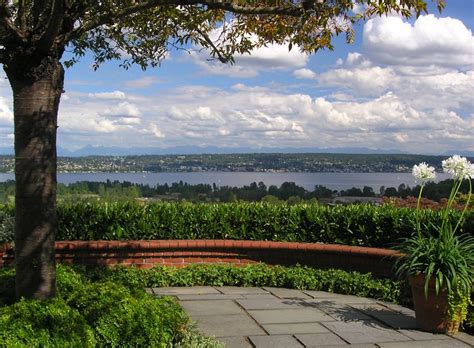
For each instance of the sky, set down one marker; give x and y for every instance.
(403, 86)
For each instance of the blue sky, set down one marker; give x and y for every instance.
(403, 85)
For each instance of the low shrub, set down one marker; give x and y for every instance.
(89, 313)
(296, 277)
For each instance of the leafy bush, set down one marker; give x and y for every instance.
(89, 313)
(363, 225)
(7, 226)
(296, 277)
(354, 225)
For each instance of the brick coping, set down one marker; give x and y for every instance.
(147, 253)
(212, 244)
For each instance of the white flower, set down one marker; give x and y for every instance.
(423, 172)
(459, 167)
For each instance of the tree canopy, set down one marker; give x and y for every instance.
(142, 32)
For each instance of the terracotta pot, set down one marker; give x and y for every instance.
(431, 312)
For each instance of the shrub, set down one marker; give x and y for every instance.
(7, 226)
(89, 313)
(297, 277)
(362, 225)
(353, 225)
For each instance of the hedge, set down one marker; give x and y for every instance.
(363, 225)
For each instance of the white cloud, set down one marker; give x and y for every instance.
(263, 58)
(156, 131)
(363, 81)
(123, 109)
(108, 95)
(6, 113)
(430, 41)
(304, 74)
(143, 82)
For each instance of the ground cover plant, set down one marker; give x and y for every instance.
(88, 313)
(363, 225)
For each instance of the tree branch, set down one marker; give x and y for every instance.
(206, 38)
(227, 5)
(53, 26)
(6, 24)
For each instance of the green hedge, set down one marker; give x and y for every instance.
(92, 313)
(353, 224)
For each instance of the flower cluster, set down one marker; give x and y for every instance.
(459, 167)
(423, 172)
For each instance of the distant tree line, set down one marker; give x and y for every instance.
(288, 191)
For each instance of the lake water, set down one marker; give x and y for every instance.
(334, 181)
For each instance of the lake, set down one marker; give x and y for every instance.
(334, 181)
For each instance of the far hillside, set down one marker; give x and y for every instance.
(256, 162)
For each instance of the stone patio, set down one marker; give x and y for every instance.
(275, 317)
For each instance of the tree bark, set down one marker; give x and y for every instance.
(36, 102)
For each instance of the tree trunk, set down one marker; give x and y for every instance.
(36, 102)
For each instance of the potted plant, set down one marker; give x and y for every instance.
(440, 266)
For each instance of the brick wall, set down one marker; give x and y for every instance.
(146, 254)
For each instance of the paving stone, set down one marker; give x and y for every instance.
(389, 317)
(362, 345)
(466, 338)
(291, 329)
(287, 293)
(195, 290)
(364, 331)
(275, 341)
(236, 342)
(228, 325)
(423, 336)
(321, 294)
(398, 308)
(206, 297)
(425, 344)
(278, 316)
(211, 307)
(230, 290)
(258, 296)
(273, 303)
(320, 339)
(341, 312)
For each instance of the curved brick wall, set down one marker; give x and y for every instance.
(146, 254)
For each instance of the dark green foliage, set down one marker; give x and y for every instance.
(296, 277)
(7, 226)
(353, 225)
(89, 313)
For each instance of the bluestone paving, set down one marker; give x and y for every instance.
(275, 341)
(228, 325)
(195, 290)
(236, 342)
(423, 336)
(425, 344)
(211, 307)
(466, 338)
(273, 303)
(278, 316)
(282, 329)
(240, 290)
(320, 339)
(365, 331)
(387, 316)
(287, 293)
(255, 317)
(342, 312)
